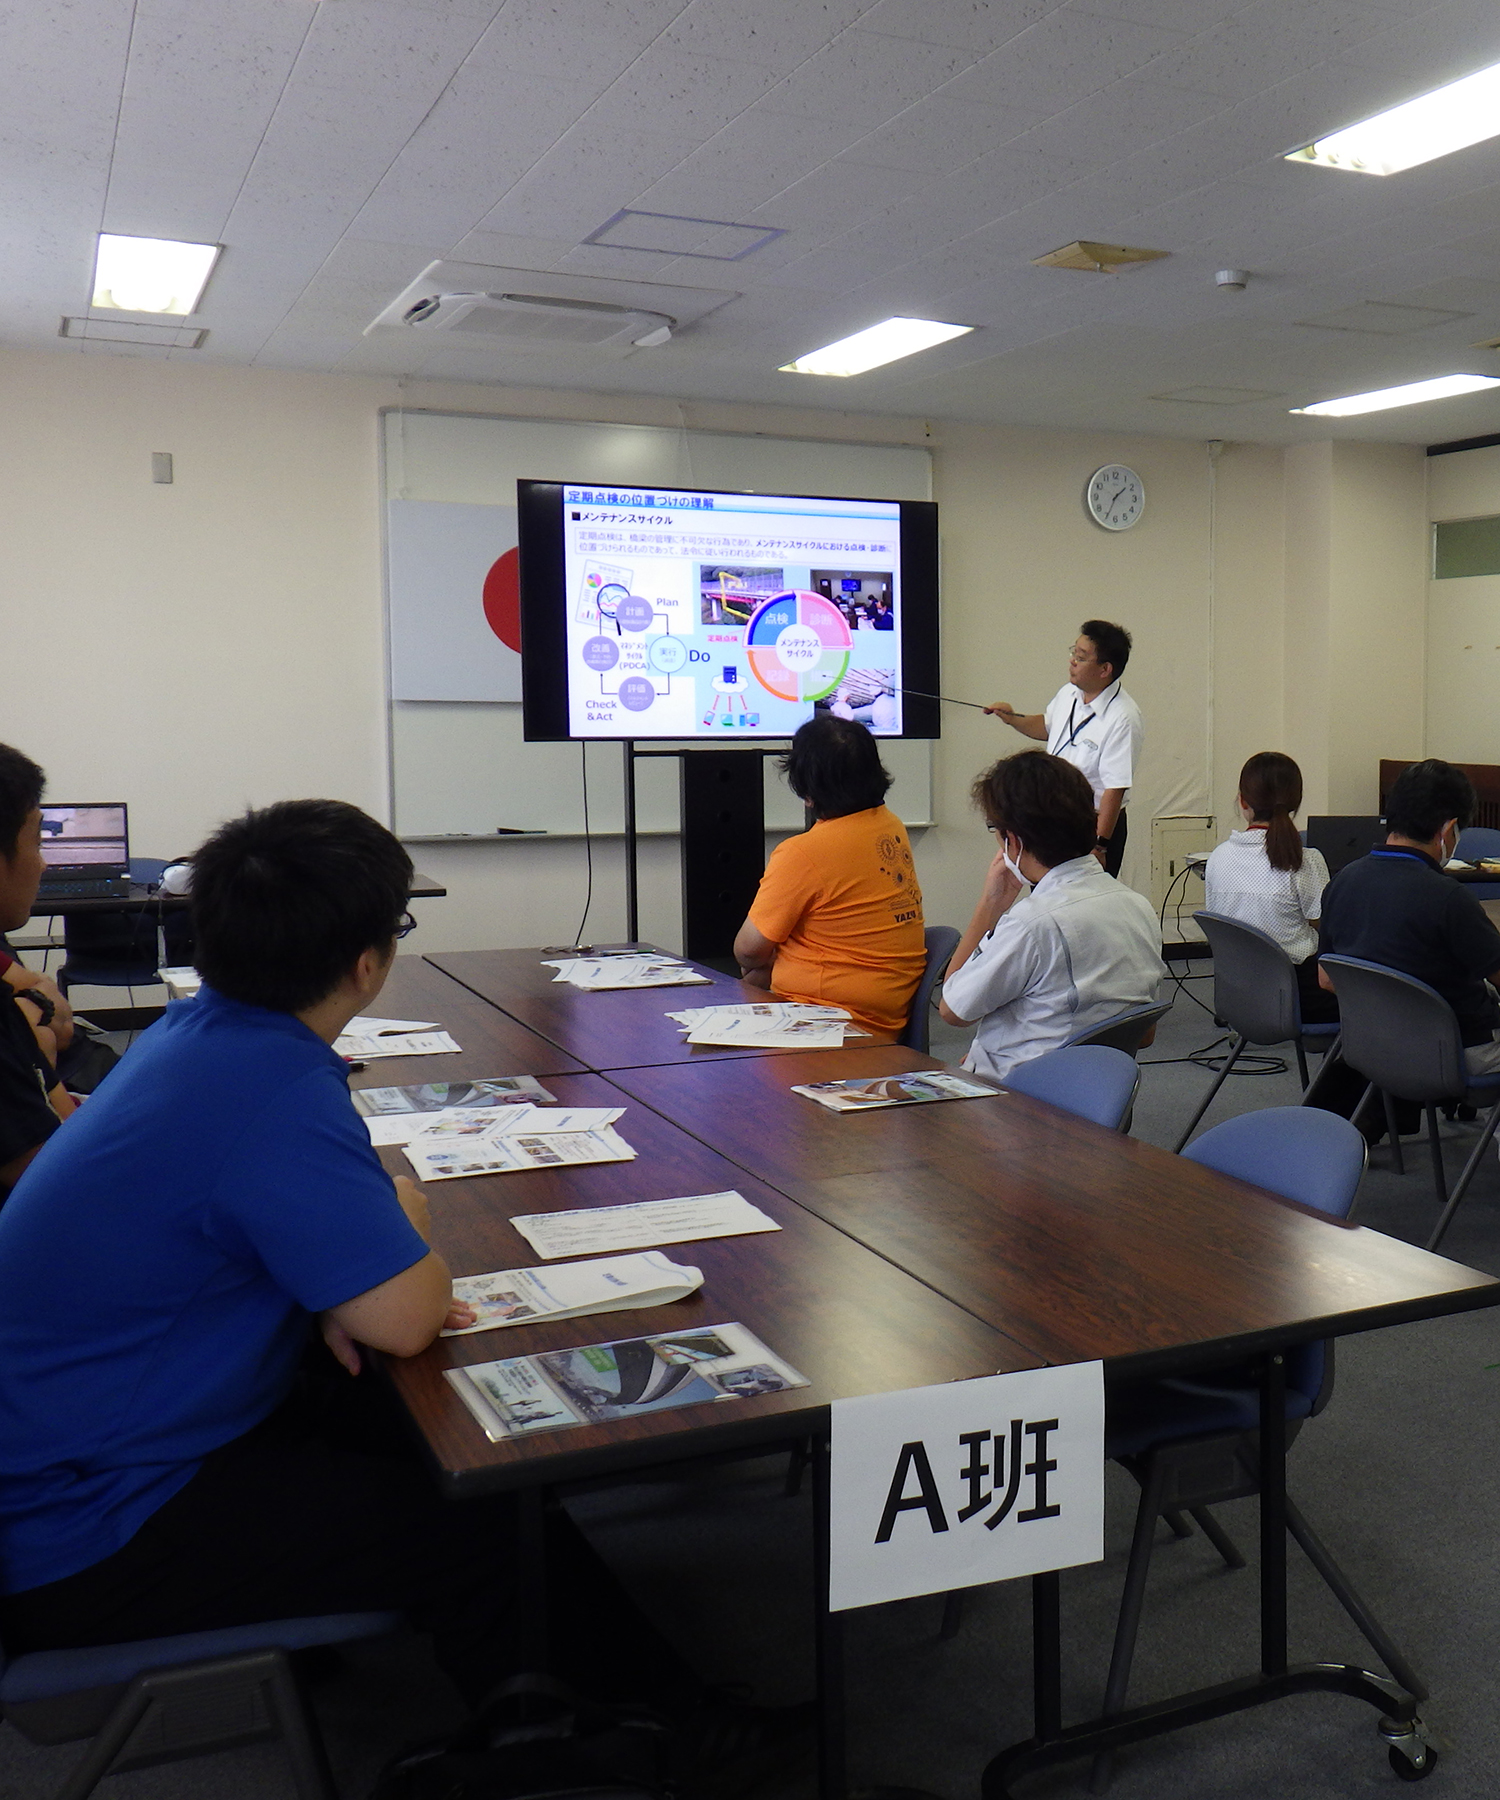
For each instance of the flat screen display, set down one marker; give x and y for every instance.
(93, 837)
(690, 614)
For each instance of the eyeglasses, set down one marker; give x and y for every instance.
(407, 926)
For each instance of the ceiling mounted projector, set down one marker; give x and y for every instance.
(540, 320)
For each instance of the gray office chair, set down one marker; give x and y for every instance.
(941, 941)
(1255, 993)
(1124, 1031)
(1401, 1035)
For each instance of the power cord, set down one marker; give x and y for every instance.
(588, 841)
(1212, 1056)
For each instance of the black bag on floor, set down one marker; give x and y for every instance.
(535, 1739)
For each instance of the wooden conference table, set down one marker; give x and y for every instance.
(1057, 1240)
(146, 897)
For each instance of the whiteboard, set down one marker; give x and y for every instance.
(462, 768)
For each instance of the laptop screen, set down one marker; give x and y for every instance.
(92, 837)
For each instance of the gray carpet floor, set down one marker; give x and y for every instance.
(1398, 1476)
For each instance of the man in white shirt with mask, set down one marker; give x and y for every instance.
(1094, 724)
(1056, 946)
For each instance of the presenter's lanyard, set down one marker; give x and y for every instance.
(1088, 719)
(1067, 742)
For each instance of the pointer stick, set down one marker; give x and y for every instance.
(917, 694)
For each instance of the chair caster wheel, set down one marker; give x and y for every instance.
(1404, 1768)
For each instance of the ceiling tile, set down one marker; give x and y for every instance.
(481, 138)
(939, 134)
(864, 79)
(977, 25)
(199, 92)
(1265, 43)
(1064, 59)
(687, 94)
(584, 178)
(767, 148)
(778, 37)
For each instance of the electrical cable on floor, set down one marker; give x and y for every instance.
(1210, 1057)
(588, 841)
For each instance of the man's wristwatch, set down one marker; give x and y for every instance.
(45, 1006)
(1101, 843)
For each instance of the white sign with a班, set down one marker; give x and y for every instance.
(969, 1482)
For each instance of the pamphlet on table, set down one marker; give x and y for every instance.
(363, 1039)
(599, 1383)
(395, 1115)
(600, 973)
(689, 1219)
(572, 1290)
(465, 1142)
(916, 1089)
(768, 1025)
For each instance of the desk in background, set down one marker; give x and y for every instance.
(610, 1030)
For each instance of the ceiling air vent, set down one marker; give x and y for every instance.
(1097, 259)
(537, 319)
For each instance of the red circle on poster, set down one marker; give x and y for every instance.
(502, 600)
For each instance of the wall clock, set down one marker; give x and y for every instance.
(1116, 497)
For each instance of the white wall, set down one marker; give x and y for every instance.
(218, 642)
(1463, 620)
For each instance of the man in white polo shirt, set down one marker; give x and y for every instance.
(1094, 724)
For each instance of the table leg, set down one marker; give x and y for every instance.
(1046, 1655)
(829, 1637)
(1273, 1643)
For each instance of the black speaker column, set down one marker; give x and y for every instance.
(723, 847)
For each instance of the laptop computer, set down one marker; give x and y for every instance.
(86, 850)
(1344, 840)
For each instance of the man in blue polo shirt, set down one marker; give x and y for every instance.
(1395, 906)
(169, 1458)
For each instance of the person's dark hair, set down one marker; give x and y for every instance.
(286, 900)
(1271, 786)
(21, 784)
(1424, 797)
(1043, 800)
(1111, 644)
(834, 767)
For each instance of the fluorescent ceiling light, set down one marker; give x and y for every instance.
(876, 344)
(150, 275)
(1440, 387)
(1451, 118)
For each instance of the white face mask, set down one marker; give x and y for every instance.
(1014, 867)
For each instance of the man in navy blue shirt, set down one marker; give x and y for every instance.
(1395, 906)
(167, 1461)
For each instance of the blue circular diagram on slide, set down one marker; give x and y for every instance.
(667, 655)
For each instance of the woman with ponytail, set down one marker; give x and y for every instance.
(1264, 876)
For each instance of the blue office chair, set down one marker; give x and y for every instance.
(941, 941)
(113, 949)
(1401, 1035)
(163, 1698)
(1255, 994)
(1477, 843)
(1087, 1079)
(1192, 1444)
(1124, 1031)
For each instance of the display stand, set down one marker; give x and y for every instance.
(723, 843)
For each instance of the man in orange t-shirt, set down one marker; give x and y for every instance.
(838, 918)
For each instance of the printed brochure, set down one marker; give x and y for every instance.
(689, 1219)
(572, 1290)
(915, 1089)
(599, 1383)
(768, 1025)
(395, 1115)
(438, 1157)
(598, 974)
